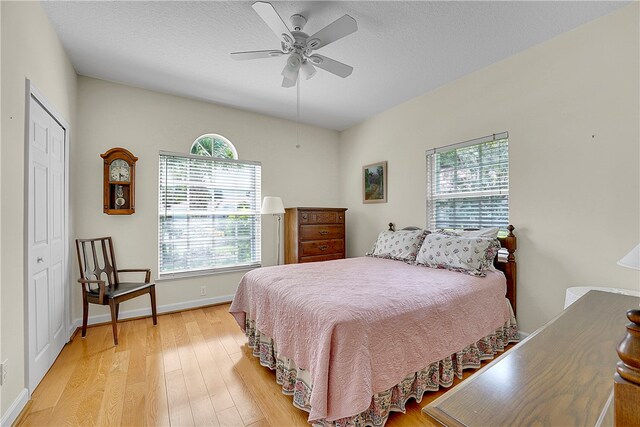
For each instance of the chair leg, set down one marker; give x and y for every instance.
(114, 320)
(85, 314)
(152, 294)
(117, 310)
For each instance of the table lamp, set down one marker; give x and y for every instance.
(632, 259)
(273, 206)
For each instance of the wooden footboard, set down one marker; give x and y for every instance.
(627, 378)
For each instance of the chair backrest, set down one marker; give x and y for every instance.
(96, 259)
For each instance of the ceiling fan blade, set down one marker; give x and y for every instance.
(338, 29)
(288, 83)
(256, 54)
(272, 19)
(331, 65)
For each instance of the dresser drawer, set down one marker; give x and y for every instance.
(321, 217)
(315, 232)
(322, 247)
(314, 258)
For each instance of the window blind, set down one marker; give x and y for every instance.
(208, 214)
(468, 184)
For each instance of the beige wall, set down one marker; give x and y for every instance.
(145, 122)
(574, 198)
(30, 49)
(1, 115)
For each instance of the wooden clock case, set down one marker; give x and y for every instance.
(110, 187)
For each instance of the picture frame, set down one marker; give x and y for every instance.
(374, 183)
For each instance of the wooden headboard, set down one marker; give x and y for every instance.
(506, 264)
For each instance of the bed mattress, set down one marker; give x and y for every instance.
(360, 325)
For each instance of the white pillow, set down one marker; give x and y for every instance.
(402, 245)
(472, 255)
(491, 233)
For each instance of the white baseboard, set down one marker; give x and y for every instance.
(72, 328)
(16, 407)
(522, 335)
(102, 318)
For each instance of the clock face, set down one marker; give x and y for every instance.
(119, 171)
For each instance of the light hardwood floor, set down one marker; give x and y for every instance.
(194, 368)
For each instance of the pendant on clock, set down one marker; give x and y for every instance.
(120, 201)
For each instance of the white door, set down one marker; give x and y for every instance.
(46, 240)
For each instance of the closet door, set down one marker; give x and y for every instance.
(46, 239)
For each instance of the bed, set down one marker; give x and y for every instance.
(354, 339)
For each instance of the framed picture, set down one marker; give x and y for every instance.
(374, 183)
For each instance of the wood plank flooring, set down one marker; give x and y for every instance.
(194, 368)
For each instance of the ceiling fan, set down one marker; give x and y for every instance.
(299, 46)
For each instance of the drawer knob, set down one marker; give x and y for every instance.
(340, 217)
(323, 232)
(323, 247)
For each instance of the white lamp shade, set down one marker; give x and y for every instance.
(308, 70)
(632, 259)
(292, 68)
(272, 205)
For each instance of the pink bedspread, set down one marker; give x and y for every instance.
(380, 318)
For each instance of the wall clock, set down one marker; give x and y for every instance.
(119, 182)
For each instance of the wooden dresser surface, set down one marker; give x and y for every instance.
(561, 375)
(314, 234)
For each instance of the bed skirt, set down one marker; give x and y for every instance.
(297, 382)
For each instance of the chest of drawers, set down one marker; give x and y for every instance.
(314, 234)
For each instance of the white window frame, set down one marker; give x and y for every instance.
(432, 196)
(215, 136)
(255, 213)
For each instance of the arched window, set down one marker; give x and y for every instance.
(213, 145)
(208, 210)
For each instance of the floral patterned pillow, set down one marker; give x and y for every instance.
(401, 245)
(471, 255)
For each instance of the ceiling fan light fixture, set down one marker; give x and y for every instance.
(308, 70)
(288, 83)
(299, 46)
(290, 73)
(295, 61)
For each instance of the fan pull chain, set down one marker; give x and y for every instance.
(298, 113)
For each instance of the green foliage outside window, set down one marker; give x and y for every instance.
(214, 146)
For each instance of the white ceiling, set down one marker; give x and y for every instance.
(401, 49)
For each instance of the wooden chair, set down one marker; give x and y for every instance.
(96, 258)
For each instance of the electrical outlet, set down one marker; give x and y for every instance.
(3, 370)
(203, 291)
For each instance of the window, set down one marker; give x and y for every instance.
(213, 145)
(468, 184)
(209, 211)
